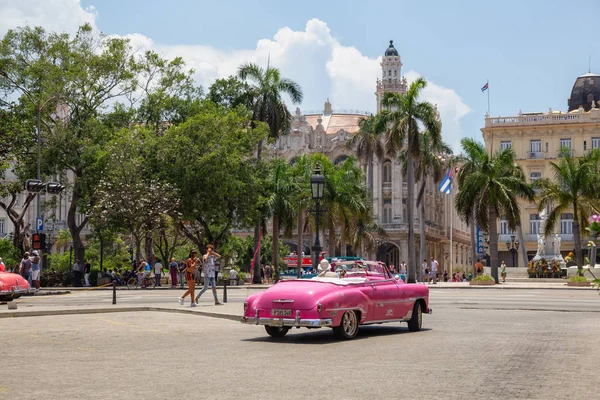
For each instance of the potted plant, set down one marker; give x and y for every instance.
(578, 280)
(482, 280)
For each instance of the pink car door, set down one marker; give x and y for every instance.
(388, 302)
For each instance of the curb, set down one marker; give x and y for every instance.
(500, 287)
(43, 313)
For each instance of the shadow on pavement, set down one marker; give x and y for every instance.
(326, 336)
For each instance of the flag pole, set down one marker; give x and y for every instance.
(488, 93)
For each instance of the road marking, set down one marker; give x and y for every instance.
(4, 390)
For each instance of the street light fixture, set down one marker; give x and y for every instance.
(513, 246)
(317, 187)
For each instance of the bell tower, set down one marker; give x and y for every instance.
(391, 75)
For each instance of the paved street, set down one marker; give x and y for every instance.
(467, 298)
(476, 354)
(479, 344)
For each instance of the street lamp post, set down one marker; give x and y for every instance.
(317, 187)
(513, 246)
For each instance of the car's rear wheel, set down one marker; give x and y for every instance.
(415, 322)
(276, 331)
(348, 327)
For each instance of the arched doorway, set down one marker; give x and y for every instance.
(389, 253)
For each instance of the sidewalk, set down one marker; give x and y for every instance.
(510, 284)
(230, 311)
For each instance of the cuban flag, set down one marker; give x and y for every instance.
(446, 183)
(485, 87)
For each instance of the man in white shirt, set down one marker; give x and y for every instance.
(424, 271)
(434, 269)
(157, 273)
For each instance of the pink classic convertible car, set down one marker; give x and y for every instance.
(358, 293)
(12, 286)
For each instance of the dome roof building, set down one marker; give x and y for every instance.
(586, 91)
(391, 50)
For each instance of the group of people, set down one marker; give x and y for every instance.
(208, 264)
(30, 269)
(429, 271)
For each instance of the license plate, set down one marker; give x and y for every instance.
(281, 312)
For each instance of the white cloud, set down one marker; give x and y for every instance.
(322, 65)
(53, 15)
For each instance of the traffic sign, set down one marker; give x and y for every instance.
(39, 224)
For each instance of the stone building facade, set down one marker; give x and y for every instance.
(327, 131)
(537, 139)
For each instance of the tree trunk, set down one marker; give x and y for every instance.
(370, 176)
(522, 247)
(422, 226)
(410, 211)
(149, 245)
(275, 248)
(256, 278)
(577, 240)
(300, 245)
(493, 231)
(343, 238)
(72, 222)
(473, 232)
(331, 241)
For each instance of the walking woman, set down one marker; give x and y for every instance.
(190, 268)
(503, 271)
(209, 273)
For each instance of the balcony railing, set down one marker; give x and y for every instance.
(559, 153)
(566, 237)
(540, 119)
(536, 155)
(393, 227)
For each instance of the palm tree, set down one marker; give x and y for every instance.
(574, 189)
(368, 144)
(301, 172)
(346, 198)
(402, 116)
(281, 204)
(469, 162)
(492, 189)
(432, 161)
(267, 87)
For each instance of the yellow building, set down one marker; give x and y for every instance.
(537, 139)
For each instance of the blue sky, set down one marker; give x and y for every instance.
(531, 51)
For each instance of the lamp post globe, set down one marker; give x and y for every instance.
(317, 188)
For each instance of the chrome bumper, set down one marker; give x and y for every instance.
(291, 322)
(13, 292)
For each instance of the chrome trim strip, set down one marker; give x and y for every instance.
(282, 301)
(308, 323)
(379, 321)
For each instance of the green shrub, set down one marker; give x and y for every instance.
(578, 278)
(482, 278)
(9, 253)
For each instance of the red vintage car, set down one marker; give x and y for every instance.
(12, 286)
(342, 297)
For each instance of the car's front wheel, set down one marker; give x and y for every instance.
(276, 331)
(415, 322)
(348, 327)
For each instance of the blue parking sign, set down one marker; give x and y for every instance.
(39, 224)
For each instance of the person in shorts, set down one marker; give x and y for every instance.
(503, 271)
(433, 271)
(35, 270)
(424, 271)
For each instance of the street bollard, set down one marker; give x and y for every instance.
(225, 290)
(114, 292)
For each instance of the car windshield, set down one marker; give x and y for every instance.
(361, 268)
